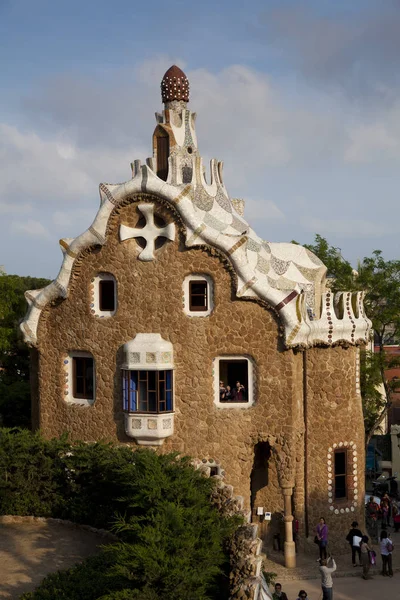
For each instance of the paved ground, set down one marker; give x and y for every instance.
(349, 588)
(29, 551)
(348, 584)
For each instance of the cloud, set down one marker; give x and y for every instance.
(264, 210)
(296, 146)
(354, 48)
(15, 209)
(31, 228)
(372, 143)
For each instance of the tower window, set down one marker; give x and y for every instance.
(340, 474)
(162, 156)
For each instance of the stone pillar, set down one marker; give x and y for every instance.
(289, 546)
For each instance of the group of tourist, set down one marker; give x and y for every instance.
(388, 511)
(229, 394)
(361, 549)
(280, 595)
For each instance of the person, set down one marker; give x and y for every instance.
(322, 536)
(354, 538)
(302, 595)
(326, 577)
(228, 393)
(372, 513)
(385, 504)
(386, 545)
(239, 392)
(365, 549)
(396, 516)
(222, 391)
(278, 594)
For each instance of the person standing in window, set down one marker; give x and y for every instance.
(222, 391)
(322, 535)
(386, 545)
(228, 394)
(239, 392)
(354, 538)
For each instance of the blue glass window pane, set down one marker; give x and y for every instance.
(124, 391)
(169, 400)
(132, 391)
(169, 380)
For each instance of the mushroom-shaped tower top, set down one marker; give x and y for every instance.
(174, 85)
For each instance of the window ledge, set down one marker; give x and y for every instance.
(80, 401)
(149, 429)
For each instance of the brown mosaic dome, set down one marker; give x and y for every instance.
(175, 85)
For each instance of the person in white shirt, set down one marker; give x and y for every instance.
(326, 577)
(386, 545)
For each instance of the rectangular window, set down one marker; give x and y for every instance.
(147, 391)
(198, 300)
(233, 380)
(83, 377)
(340, 474)
(107, 295)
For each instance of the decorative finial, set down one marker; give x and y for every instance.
(175, 85)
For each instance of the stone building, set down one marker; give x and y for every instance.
(168, 298)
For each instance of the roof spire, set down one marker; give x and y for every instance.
(174, 85)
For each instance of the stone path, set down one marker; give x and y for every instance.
(348, 584)
(29, 551)
(348, 588)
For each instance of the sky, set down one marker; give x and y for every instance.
(300, 99)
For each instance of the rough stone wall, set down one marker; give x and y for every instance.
(150, 301)
(334, 417)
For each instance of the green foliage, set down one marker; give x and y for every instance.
(171, 537)
(31, 473)
(15, 404)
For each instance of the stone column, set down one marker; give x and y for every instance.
(289, 546)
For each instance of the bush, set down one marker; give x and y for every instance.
(171, 537)
(31, 473)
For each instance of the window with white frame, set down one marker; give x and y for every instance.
(198, 295)
(80, 378)
(233, 381)
(104, 295)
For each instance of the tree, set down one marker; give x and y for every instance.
(14, 354)
(380, 279)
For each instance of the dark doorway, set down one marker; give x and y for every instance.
(259, 473)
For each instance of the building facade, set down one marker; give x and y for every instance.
(171, 324)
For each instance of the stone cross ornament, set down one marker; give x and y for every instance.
(150, 232)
